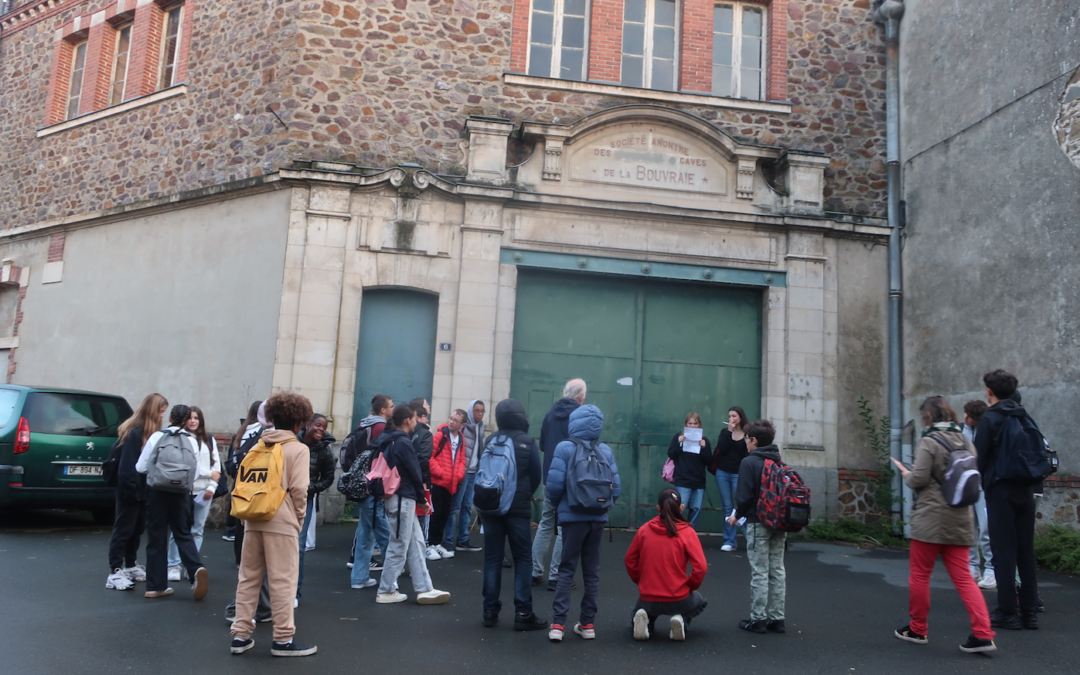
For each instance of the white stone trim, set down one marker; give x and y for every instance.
(9, 342)
(156, 97)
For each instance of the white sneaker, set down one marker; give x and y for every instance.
(349, 565)
(641, 625)
(989, 581)
(174, 574)
(727, 547)
(390, 598)
(432, 554)
(555, 633)
(135, 572)
(119, 581)
(678, 628)
(295, 603)
(366, 584)
(444, 553)
(432, 597)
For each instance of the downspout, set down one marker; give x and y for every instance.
(889, 12)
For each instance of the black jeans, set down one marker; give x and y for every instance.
(579, 539)
(127, 530)
(1010, 514)
(165, 511)
(497, 531)
(441, 502)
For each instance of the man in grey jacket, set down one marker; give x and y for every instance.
(463, 499)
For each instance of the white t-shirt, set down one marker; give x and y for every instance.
(455, 441)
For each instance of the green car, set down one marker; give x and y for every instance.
(52, 444)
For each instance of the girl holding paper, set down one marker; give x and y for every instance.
(691, 459)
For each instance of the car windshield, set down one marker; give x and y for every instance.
(74, 414)
(8, 399)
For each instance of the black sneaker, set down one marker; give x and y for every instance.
(776, 626)
(490, 619)
(469, 547)
(1029, 620)
(752, 626)
(1006, 621)
(374, 566)
(908, 635)
(537, 581)
(975, 645)
(1039, 606)
(292, 648)
(240, 646)
(529, 622)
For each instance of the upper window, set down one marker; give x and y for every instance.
(78, 65)
(120, 66)
(170, 45)
(648, 44)
(738, 51)
(557, 39)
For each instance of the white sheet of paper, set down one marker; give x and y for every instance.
(201, 498)
(690, 443)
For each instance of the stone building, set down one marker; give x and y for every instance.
(990, 255)
(679, 201)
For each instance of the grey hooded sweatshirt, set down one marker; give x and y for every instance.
(474, 435)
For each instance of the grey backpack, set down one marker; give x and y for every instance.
(173, 465)
(962, 480)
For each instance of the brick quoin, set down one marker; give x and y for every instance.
(605, 40)
(56, 246)
(695, 65)
(144, 62)
(519, 55)
(97, 72)
(17, 272)
(58, 80)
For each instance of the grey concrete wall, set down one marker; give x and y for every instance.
(862, 324)
(184, 302)
(990, 260)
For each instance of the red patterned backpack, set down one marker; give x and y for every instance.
(784, 500)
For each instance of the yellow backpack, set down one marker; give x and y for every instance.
(258, 494)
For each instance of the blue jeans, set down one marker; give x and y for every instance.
(460, 513)
(692, 499)
(726, 484)
(373, 527)
(497, 530)
(308, 516)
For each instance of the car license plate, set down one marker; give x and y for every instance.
(82, 470)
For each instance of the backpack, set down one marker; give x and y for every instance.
(590, 480)
(110, 468)
(962, 479)
(237, 456)
(173, 466)
(668, 472)
(1022, 456)
(382, 481)
(258, 493)
(353, 483)
(784, 500)
(496, 477)
(354, 444)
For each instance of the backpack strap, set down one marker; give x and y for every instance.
(949, 448)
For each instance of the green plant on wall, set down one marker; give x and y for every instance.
(877, 432)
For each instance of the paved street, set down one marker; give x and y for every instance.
(843, 604)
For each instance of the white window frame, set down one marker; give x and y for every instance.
(68, 113)
(736, 47)
(647, 57)
(129, 26)
(555, 69)
(165, 41)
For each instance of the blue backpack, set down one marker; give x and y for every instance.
(496, 479)
(1022, 456)
(590, 481)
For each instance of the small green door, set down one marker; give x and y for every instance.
(650, 352)
(396, 353)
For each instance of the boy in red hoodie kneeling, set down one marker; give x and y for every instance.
(657, 562)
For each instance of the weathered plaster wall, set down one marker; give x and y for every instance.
(990, 259)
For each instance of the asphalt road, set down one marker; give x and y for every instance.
(843, 604)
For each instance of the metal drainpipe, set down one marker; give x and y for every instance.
(889, 12)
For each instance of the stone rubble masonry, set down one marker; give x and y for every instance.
(380, 83)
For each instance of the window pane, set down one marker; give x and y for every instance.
(633, 38)
(631, 71)
(123, 45)
(8, 399)
(722, 19)
(573, 32)
(663, 75)
(74, 414)
(575, 7)
(543, 31)
(721, 49)
(665, 13)
(543, 5)
(721, 80)
(540, 60)
(751, 52)
(570, 64)
(751, 22)
(78, 61)
(172, 40)
(634, 10)
(663, 43)
(750, 84)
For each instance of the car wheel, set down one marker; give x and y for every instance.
(103, 515)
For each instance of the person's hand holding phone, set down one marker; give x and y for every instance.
(904, 471)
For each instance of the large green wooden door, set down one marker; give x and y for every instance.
(650, 352)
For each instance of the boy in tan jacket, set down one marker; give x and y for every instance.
(271, 546)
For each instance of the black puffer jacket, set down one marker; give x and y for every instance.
(512, 421)
(322, 465)
(423, 443)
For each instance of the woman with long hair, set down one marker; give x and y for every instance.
(202, 491)
(939, 529)
(730, 452)
(690, 467)
(130, 520)
(657, 560)
(231, 464)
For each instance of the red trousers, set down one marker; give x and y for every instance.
(923, 556)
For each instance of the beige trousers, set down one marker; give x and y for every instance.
(278, 555)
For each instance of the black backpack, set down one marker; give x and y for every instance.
(110, 468)
(1022, 456)
(237, 457)
(354, 444)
